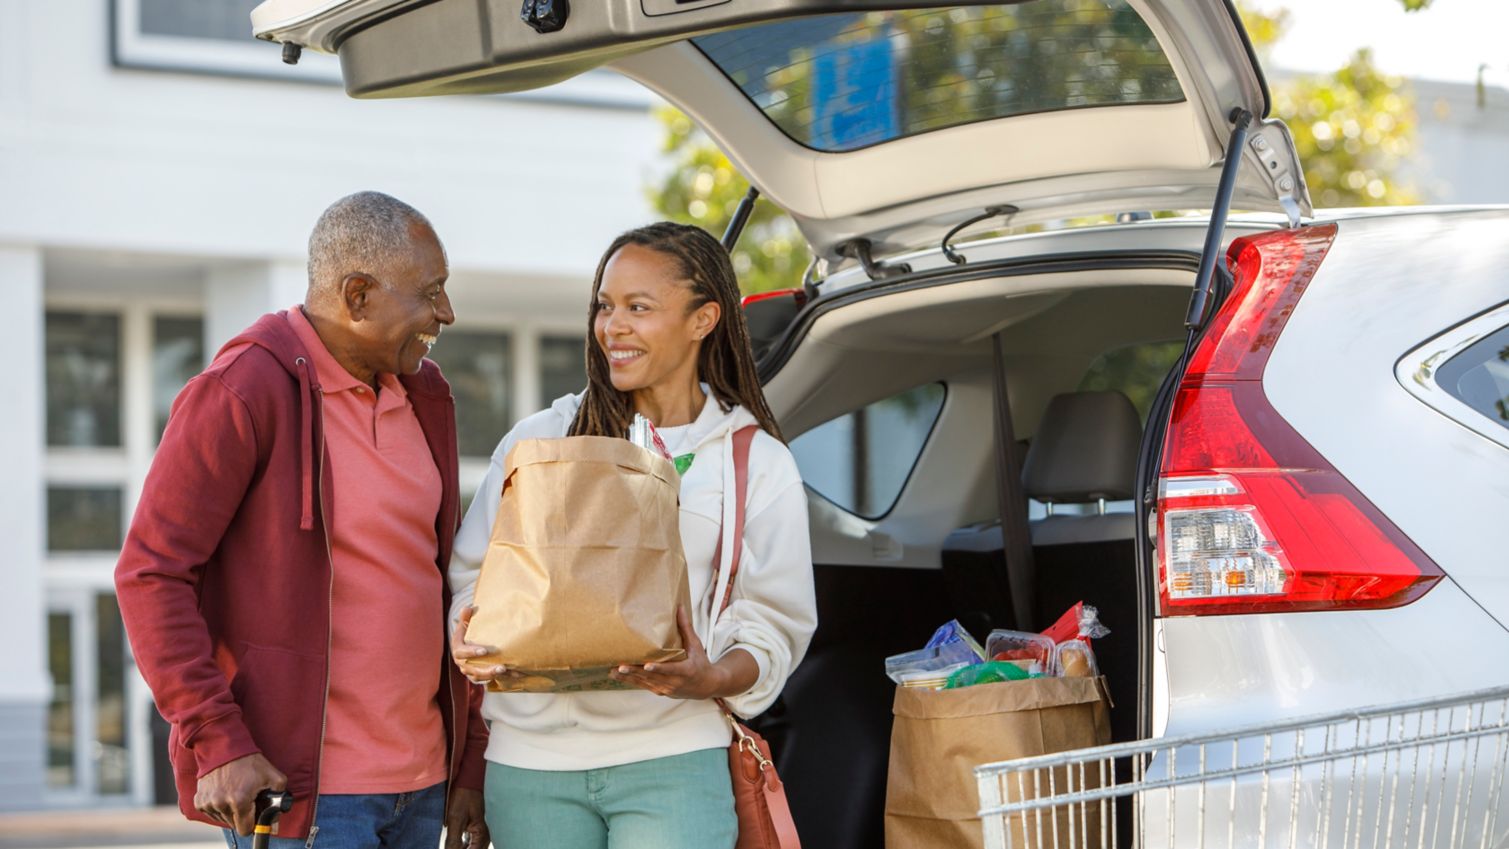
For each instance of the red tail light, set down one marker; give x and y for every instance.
(1251, 519)
(798, 295)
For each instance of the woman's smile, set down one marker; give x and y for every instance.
(621, 355)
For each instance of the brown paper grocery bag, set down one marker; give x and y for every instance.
(940, 736)
(585, 568)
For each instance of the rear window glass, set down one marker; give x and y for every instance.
(1135, 371)
(1479, 376)
(846, 81)
(861, 461)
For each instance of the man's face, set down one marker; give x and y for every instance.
(400, 318)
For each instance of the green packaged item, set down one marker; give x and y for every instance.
(989, 672)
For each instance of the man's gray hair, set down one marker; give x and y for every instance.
(365, 233)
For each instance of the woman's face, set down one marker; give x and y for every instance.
(643, 325)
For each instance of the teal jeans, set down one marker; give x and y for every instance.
(680, 802)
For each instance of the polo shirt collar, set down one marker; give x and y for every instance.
(333, 376)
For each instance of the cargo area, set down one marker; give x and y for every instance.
(917, 541)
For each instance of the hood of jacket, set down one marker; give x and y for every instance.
(712, 423)
(276, 336)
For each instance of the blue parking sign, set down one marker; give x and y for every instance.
(856, 94)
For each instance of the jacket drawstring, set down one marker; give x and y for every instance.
(306, 444)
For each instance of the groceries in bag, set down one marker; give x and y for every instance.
(1075, 659)
(1079, 622)
(642, 433)
(989, 672)
(1032, 652)
(950, 649)
(952, 658)
(1025, 695)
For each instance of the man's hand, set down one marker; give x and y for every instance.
(464, 816)
(696, 677)
(228, 793)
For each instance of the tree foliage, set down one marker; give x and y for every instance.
(1353, 128)
(702, 188)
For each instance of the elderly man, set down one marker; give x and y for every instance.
(283, 580)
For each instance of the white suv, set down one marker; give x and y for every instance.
(1275, 457)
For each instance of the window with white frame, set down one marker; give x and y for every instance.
(563, 369)
(205, 36)
(479, 366)
(177, 355)
(224, 19)
(83, 370)
(215, 37)
(89, 434)
(84, 367)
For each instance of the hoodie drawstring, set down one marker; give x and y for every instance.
(306, 444)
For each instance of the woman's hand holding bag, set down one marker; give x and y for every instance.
(697, 677)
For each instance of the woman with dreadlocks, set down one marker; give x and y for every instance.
(648, 767)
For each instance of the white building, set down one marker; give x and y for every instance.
(159, 173)
(1462, 140)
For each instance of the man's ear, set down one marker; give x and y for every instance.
(706, 318)
(356, 291)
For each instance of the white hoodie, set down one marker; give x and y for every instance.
(772, 615)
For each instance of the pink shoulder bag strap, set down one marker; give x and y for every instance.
(759, 795)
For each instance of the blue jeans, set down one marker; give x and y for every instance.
(679, 802)
(368, 821)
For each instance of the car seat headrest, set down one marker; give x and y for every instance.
(1085, 449)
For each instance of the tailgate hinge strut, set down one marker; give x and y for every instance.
(1241, 121)
(740, 219)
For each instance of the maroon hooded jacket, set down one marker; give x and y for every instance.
(225, 577)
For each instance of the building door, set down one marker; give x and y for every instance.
(98, 738)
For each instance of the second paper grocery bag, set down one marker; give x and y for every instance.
(940, 736)
(585, 568)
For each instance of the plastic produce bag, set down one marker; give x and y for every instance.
(1080, 621)
(1075, 659)
(1032, 652)
(950, 648)
(989, 672)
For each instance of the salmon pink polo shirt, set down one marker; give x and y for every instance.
(383, 728)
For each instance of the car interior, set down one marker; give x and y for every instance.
(933, 550)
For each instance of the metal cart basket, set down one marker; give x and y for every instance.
(1423, 775)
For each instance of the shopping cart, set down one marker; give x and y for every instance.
(1422, 775)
